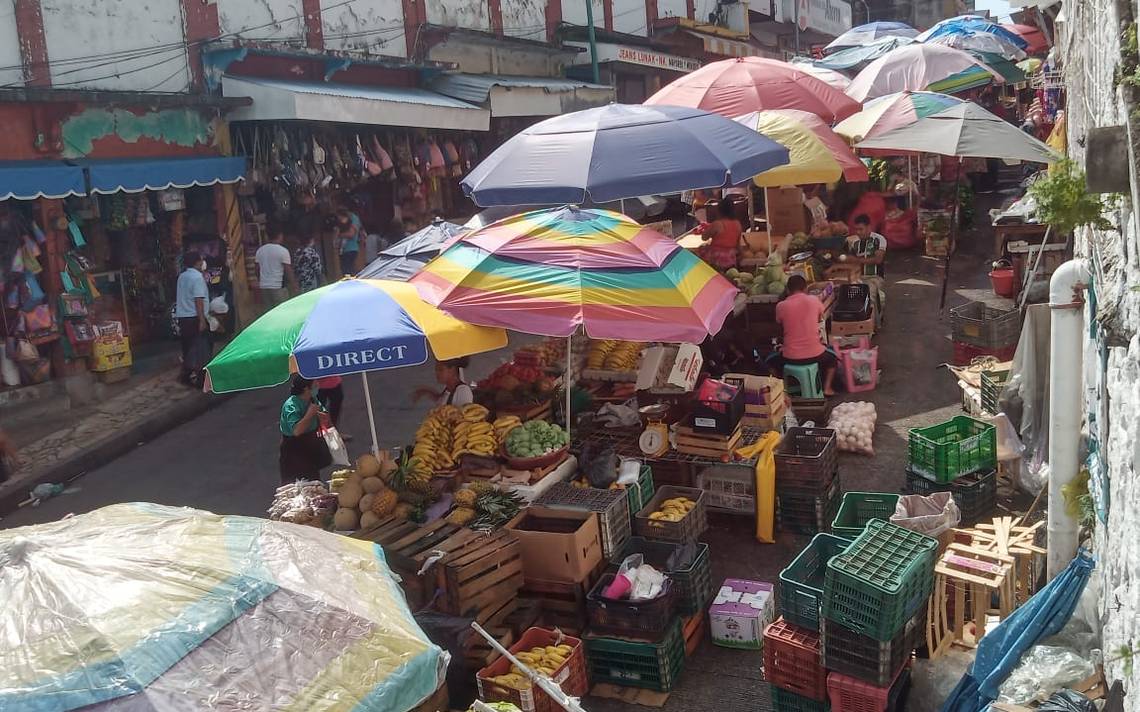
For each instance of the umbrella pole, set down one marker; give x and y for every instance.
(566, 380)
(550, 687)
(954, 225)
(371, 415)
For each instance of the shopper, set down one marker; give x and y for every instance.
(191, 295)
(724, 234)
(348, 231)
(274, 269)
(448, 374)
(303, 451)
(799, 315)
(307, 264)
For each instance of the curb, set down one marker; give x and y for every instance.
(111, 448)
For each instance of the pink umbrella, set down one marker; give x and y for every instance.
(1035, 38)
(733, 87)
(913, 68)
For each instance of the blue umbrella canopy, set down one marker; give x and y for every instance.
(408, 256)
(619, 152)
(973, 23)
(855, 58)
(868, 33)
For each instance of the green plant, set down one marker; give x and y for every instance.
(880, 173)
(1063, 201)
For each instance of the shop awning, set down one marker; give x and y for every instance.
(524, 96)
(134, 175)
(27, 180)
(283, 100)
(726, 47)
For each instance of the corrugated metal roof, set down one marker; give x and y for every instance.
(475, 88)
(403, 95)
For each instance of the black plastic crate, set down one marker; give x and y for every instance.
(874, 661)
(646, 619)
(688, 566)
(982, 325)
(852, 302)
(975, 494)
(805, 514)
(805, 460)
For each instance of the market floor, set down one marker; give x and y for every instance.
(225, 460)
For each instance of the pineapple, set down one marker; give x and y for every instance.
(403, 510)
(465, 498)
(482, 487)
(461, 515)
(384, 502)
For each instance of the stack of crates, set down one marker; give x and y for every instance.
(979, 329)
(611, 506)
(807, 480)
(873, 613)
(958, 456)
(796, 677)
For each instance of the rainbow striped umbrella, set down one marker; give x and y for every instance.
(893, 111)
(549, 272)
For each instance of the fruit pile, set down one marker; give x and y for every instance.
(832, 229)
(673, 510)
(448, 432)
(544, 661)
(613, 355)
(535, 438)
(375, 489)
(510, 376)
(550, 352)
(481, 506)
(514, 384)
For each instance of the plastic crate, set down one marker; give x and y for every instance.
(631, 663)
(649, 619)
(852, 302)
(731, 488)
(992, 383)
(689, 528)
(858, 508)
(642, 492)
(975, 493)
(862, 657)
(805, 459)
(801, 584)
(688, 566)
(792, 660)
(571, 676)
(876, 585)
(784, 701)
(982, 325)
(965, 353)
(809, 515)
(849, 694)
(612, 507)
(949, 450)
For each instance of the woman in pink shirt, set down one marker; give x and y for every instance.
(799, 314)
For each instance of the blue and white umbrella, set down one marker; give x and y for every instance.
(973, 23)
(978, 41)
(868, 33)
(620, 152)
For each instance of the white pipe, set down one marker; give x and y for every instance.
(371, 415)
(1066, 371)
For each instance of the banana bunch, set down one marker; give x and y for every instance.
(623, 357)
(449, 414)
(544, 661)
(599, 350)
(503, 425)
(476, 438)
(432, 450)
(673, 510)
(474, 413)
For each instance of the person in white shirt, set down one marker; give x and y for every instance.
(273, 269)
(191, 295)
(448, 374)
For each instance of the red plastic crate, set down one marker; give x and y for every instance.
(849, 694)
(792, 660)
(965, 353)
(571, 677)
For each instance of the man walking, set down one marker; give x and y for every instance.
(273, 269)
(191, 296)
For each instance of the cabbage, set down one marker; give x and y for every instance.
(774, 273)
(777, 287)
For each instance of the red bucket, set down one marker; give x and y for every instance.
(1005, 284)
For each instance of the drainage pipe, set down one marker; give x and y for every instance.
(1066, 374)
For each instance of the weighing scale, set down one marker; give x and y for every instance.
(654, 440)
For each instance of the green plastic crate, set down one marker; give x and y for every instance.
(629, 663)
(949, 450)
(640, 494)
(858, 508)
(876, 585)
(784, 701)
(801, 584)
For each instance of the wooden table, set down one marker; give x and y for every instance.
(1032, 232)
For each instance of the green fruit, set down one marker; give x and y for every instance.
(777, 287)
(732, 273)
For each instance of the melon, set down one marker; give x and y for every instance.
(367, 465)
(346, 520)
(368, 520)
(732, 273)
(350, 493)
(371, 485)
(366, 502)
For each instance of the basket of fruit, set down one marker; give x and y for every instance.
(535, 444)
(674, 514)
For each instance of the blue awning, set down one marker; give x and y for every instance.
(27, 180)
(134, 175)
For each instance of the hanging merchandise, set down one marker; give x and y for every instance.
(77, 238)
(119, 219)
(38, 234)
(38, 321)
(33, 294)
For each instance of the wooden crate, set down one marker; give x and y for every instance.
(719, 447)
(407, 547)
(478, 653)
(563, 605)
(480, 575)
(538, 411)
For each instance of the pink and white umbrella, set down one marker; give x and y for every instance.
(913, 68)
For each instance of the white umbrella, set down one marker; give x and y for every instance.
(969, 41)
(913, 68)
(832, 77)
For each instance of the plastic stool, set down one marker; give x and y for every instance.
(802, 380)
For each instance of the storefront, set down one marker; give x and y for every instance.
(636, 73)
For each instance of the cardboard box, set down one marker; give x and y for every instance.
(110, 353)
(674, 367)
(785, 210)
(740, 613)
(558, 544)
(759, 391)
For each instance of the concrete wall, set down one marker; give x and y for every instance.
(1091, 45)
(524, 18)
(468, 14)
(84, 29)
(376, 26)
(10, 60)
(672, 8)
(264, 19)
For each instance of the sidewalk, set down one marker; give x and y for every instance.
(91, 436)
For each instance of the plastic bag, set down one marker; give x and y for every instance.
(1009, 446)
(336, 447)
(861, 369)
(854, 426)
(1067, 701)
(1044, 668)
(932, 516)
(599, 465)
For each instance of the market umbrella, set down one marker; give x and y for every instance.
(855, 58)
(1035, 40)
(975, 41)
(551, 272)
(832, 77)
(912, 68)
(1030, 66)
(818, 155)
(980, 76)
(146, 607)
(620, 151)
(893, 111)
(352, 326)
(974, 23)
(868, 33)
(408, 256)
(734, 87)
(1000, 650)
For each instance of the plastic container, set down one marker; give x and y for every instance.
(876, 585)
(631, 663)
(860, 369)
(864, 658)
(784, 701)
(992, 384)
(849, 694)
(571, 676)
(965, 353)
(792, 660)
(1004, 282)
(640, 494)
(980, 324)
(649, 619)
(731, 488)
(975, 493)
(801, 584)
(809, 515)
(949, 450)
(806, 459)
(691, 526)
(690, 572)
(852, 302)
(858, 508)
(612, 507)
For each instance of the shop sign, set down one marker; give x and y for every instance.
(360, 357)
(639, 56)
(829, 17)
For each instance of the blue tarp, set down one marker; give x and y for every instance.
(134, 175)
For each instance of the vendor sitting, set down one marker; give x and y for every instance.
(799, 315)
(869, 249)
(724, 234)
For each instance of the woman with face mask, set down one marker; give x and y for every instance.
(303, 451)
(191, 297)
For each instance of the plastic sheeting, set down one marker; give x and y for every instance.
(1025, 398)
(144, 607)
